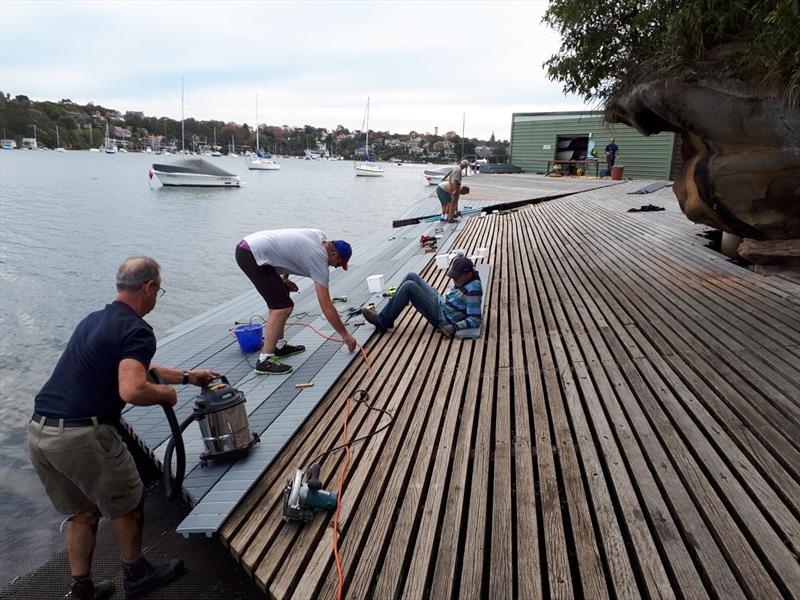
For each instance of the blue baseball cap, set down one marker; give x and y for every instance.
(344, 250)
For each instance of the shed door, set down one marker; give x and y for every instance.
(572, 147)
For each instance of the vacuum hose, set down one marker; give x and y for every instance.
(173, 487)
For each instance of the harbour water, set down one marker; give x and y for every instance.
(68, 220)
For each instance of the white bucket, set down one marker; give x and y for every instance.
(481, 252)
(442, 261)
(375, 283)
(460, 252)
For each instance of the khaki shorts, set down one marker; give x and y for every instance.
(84, 467)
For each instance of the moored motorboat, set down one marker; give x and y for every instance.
(193, 172)
(435, 176)
(367, 170)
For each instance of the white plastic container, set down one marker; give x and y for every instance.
(375, 283)
(460, 252)
(442, 261)
(481, 252)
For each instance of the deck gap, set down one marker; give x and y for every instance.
(459, 562)
(423, 494)
(387, 480)
(554, 275)
(459, 405)
(569, 538)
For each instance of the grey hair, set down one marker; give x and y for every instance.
(135, 272)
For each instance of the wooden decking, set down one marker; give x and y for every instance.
(627, 426)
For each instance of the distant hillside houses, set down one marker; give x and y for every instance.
(79, 127)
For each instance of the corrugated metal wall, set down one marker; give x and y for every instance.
(643, 157)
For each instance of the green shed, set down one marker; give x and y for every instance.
(575, 135)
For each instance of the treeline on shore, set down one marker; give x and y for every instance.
(80, 127)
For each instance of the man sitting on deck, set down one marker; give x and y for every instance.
(86, 469)
(267, 258)
(449, 190)
(458, 308)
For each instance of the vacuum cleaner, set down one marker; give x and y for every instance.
(220, 413)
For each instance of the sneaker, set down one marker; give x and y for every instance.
(88, 590)
(147, 576)
(289, 350)
(272, 366)
(373, 317)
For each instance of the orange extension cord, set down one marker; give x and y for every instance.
(346, 444)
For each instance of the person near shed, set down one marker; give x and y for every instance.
(73, 438)
(611, 154)
(268, 258)
(449, 190)
(458, 308)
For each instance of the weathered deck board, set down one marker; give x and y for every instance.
(626, 426)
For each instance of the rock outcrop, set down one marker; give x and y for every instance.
(741, 152)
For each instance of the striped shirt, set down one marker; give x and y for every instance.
(462, 305)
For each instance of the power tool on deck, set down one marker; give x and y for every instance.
(302, 497)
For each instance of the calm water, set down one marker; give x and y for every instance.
(66, 223)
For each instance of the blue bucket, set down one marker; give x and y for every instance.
(249, 336)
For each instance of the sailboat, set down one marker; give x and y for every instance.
(91, 143)
(261, 161)
(109, 147)
(366, 169)
(58, 142)
(308, 154)
(232, 148)
(122, 148)
(214, 150)
(35, 142)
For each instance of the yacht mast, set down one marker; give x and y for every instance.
(182, 131)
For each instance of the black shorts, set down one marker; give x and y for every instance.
(266, 279)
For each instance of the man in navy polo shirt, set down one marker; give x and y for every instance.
(73, 443)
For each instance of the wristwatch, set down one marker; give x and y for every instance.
(185, 377)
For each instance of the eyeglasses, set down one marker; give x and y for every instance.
(161, 291)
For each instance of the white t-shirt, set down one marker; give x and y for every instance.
(292, 252)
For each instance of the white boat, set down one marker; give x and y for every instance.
(58, 142)
(261, 161)
(435, 176)
(109, 147)
(35, 142)
(367, 168)
(193, 172)
(214, 150)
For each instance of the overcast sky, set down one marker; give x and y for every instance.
(424, 64)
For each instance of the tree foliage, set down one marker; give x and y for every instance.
(609, 45)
